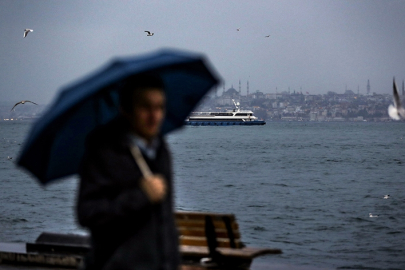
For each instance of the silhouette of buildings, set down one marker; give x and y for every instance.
(297, 106)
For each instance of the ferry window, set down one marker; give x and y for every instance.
(241, 114)
(221, 114)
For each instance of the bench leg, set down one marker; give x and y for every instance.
(211, 239)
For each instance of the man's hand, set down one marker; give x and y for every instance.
(155, 188)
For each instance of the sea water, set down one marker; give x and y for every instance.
(304, 187)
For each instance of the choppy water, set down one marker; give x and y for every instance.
(307, 188)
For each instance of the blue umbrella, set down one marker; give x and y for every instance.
(55, 144)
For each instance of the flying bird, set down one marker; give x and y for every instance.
(237, 29)
(21, 102)
(26, 31)
(371, 215)
(267, 36)
(396, 111)
(149, 33)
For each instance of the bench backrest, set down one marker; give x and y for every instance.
(201, 229)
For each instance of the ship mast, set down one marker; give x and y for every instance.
(236, 105)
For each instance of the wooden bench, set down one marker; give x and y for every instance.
(217, 237)
(204, 237)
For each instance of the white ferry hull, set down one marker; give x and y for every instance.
(224, 123)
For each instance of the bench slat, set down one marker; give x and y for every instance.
(202, 241)
(221, 233)
(200, 215)
(201, 223)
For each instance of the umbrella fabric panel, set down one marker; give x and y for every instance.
(65, 141)
(186, 99)
(69, 144)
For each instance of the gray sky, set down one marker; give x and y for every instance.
(315, 45)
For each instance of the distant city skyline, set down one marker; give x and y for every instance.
(276, 89)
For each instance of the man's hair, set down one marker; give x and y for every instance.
(135, 85)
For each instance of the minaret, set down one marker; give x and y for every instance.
(248, 88)
(240, 89)
(223, 88)
(403, 88)
(368, 87)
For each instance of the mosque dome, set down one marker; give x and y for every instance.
(231, 92)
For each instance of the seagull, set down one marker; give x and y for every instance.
(371, 215)
(387, 196)
(9, 158)
(396, 111)
(237, 29)
(149, 33)
(21, 102)
(26, 31)
(267, 36)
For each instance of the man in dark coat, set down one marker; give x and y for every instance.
(130, 216)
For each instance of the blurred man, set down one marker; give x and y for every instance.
(130, 216)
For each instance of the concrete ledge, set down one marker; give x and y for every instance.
(16, 254)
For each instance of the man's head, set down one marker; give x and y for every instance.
(143, 104)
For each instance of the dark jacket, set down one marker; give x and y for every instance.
(128, 231)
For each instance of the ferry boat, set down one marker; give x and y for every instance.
(228, 118)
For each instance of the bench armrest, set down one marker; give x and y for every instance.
(241, 253)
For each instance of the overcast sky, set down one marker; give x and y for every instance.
(314, 46)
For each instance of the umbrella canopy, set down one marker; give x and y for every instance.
(56, 142)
